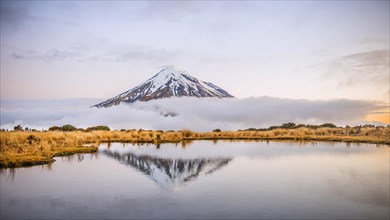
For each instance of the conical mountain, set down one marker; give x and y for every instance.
(169, 82)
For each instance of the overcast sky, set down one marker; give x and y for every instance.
(314, 50)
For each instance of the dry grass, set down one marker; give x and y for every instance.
(20, 148)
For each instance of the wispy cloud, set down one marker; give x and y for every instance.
(370, 67)
(138, 53)
(192, 113)
(49, 55)
(81, 53)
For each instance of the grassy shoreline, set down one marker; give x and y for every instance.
(29, 148)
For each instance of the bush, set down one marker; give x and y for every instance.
(54, 128)
(288, 125)
(251, 129)
(328, 125)
(68, 128)
(18, 128)
(98, 128)
(32, 138)
(217, 130)
(186, 133)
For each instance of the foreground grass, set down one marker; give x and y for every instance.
(19, 148)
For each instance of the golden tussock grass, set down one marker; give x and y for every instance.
(20, 148)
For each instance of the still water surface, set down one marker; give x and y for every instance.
(204, 179)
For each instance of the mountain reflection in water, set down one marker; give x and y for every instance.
(166, 172)
(201, 180)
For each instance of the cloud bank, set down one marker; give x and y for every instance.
(192, 113)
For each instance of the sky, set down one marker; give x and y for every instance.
(310, 50)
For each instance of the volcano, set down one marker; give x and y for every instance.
(169, 82)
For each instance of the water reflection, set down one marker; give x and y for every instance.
(78, 157)
(8, 173)
(274, 180)
(169, 173)
(370, 190)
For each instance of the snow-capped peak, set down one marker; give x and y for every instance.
(170, 81)
(172, 70)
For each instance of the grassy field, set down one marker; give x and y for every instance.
(27, 148)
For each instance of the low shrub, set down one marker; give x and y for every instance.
(18, 128)
(186, 133)
(68, 128)
(99, 128)
(55, 128)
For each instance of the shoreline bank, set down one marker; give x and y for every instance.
(29, 148)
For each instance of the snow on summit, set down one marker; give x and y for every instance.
(169, 82)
